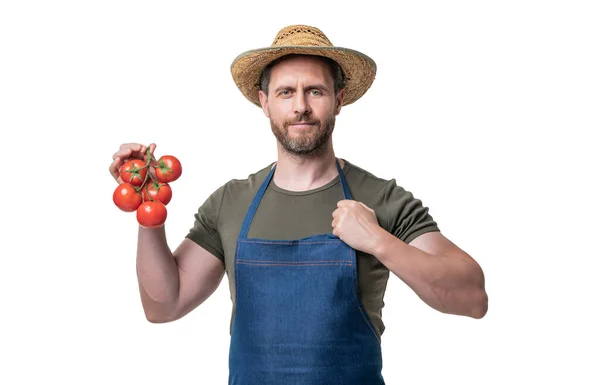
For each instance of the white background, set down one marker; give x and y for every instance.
(484, 110)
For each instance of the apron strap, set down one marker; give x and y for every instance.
(261, 192)
(345, 187)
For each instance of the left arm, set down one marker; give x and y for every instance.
(439, 272)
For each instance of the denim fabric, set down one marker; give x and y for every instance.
(298, 317)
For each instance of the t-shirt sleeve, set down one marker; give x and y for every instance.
(407, 216)
(205, 231)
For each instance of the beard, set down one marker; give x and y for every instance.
(308, 142)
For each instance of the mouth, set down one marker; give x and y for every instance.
(302, 124)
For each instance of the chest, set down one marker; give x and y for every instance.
(283, 217)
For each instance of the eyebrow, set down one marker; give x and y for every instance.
(319, 86)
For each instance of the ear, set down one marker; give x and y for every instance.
(264, 102)
(339, 99)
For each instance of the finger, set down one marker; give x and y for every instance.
(135, 150)
(365, 206)
(152, 171)
(132, 146)
(343, 203)
(151, 149)
(123, 154)
(114, 169)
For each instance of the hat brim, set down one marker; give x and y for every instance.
(358, 68)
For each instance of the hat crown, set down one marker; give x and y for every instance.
(301, 35)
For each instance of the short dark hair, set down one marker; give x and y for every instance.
(339, 78)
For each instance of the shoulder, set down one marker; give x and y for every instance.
(250, 184)
(237, 188)
(397, 208)
(239, 192)
(358, 173)
(368, 187)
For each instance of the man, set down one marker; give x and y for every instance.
(307, 242)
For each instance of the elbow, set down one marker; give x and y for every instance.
(479, 297)
(479, 307)
(155, 317)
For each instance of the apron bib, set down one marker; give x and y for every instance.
(298, 318)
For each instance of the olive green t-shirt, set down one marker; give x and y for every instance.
(291, 215)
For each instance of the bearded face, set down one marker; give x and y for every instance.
(302, 105)
(303, 136)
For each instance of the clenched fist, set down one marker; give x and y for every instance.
(356, 224)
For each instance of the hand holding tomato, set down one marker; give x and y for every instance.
(127, 152)
(134, 172)
(144, 182)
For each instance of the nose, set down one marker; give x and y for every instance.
(301, 106)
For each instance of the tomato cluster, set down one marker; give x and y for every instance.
(145, 188)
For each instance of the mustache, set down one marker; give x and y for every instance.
(302, 119)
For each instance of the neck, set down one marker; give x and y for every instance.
(305, 172)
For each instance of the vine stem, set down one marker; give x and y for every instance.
(151, 158)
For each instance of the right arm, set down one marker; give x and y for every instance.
(171, 283)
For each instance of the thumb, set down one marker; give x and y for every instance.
(149, 149)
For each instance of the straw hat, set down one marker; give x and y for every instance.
(358, 68)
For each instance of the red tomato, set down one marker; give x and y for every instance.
(155, 191)
(134, 172)
(151, 214)
(167, 169)
(126, 198)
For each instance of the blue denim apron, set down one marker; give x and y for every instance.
(298, 316)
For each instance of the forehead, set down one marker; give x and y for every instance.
(296, 68)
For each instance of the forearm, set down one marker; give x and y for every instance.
(158, 273)
(450, 284)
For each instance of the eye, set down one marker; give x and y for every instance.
(285, 93)
(315, 92)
